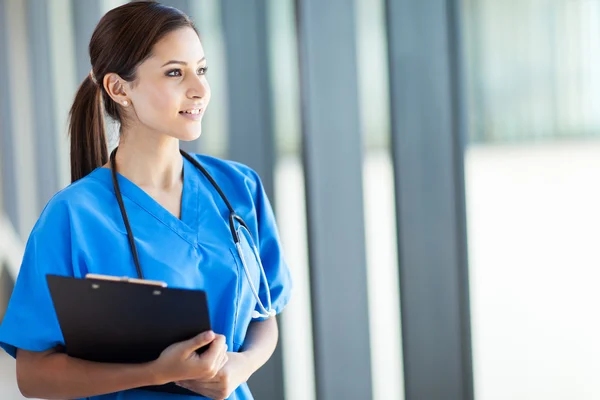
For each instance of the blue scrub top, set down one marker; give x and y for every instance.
(81, 231)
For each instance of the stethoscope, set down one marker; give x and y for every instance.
(235, 234)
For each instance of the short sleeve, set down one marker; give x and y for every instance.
(30, 321)
(271, 254)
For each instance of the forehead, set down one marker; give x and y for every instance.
(181, 44)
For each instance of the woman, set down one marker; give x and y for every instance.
(149, 74)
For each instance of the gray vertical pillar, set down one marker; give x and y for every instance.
(250, 123)
(64, 81)
(86, 14)
(428, 137)
(333, 165)
(7, 156)
(43, 87)
(19, 158)
(251, 139)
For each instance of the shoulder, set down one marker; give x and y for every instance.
(84, 194)
(234, 172)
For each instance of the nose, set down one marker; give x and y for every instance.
(198, 87)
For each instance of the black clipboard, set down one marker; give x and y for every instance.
(122, 320)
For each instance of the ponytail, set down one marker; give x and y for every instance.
(86, 128)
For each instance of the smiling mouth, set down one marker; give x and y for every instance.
(195, 111)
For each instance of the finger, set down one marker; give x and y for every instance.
(187, 382)
(218, 361)
(215, 350)
(199, 341)
(212, 387)
(223, 361)
(197, 387)
(186, 386)
(213, 390)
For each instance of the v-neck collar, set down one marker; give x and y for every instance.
(186, 227)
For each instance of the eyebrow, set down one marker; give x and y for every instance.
(181, 62)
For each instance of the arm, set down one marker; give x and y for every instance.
(260, 343)
(53, 375)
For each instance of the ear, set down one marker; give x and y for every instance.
(116, 89)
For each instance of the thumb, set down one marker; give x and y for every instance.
(199, 341)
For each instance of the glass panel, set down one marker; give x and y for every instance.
(532, 69)
(533, 76)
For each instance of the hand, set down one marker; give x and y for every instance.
(233, 374)
(181, 362)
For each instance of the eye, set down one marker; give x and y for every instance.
(174, 72)
(202, 70)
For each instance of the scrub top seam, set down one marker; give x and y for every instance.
(197, 222)
(155, 217)
(237, 296)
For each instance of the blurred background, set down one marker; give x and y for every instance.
(433, 167)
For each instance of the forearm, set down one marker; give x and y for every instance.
(58, 376)
(260, 343)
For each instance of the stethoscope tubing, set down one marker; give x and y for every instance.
(265, 312)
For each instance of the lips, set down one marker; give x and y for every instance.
(193, 114)
(193, 111)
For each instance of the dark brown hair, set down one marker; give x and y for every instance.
(122, 40)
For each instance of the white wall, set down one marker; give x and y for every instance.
(534, 235)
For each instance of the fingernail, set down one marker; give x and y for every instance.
(208, 335)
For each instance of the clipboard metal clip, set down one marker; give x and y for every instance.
(126, 279)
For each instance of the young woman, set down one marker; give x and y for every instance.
(149, 210)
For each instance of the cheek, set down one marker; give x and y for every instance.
(155, 104)
(207, 94)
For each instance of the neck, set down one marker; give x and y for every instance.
(151, 161)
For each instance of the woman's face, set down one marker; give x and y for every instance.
(171, 93)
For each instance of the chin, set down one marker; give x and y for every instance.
(189, 136)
